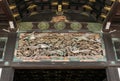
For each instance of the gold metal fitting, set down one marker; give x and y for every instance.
(59, 8)
(87, 7)
(113, 0)
(92, 0)
(108, 8)
(54, 3)
(103, 16)
(65, 3)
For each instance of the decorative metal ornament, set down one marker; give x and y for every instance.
(94, 27)
(43, 25)
(75, 25)
(25, 26)
(60, 25)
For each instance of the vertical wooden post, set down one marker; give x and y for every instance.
(112, 74)
(7, 74)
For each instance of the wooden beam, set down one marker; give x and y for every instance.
(110, 14)
(58, 65)
(5, 6)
